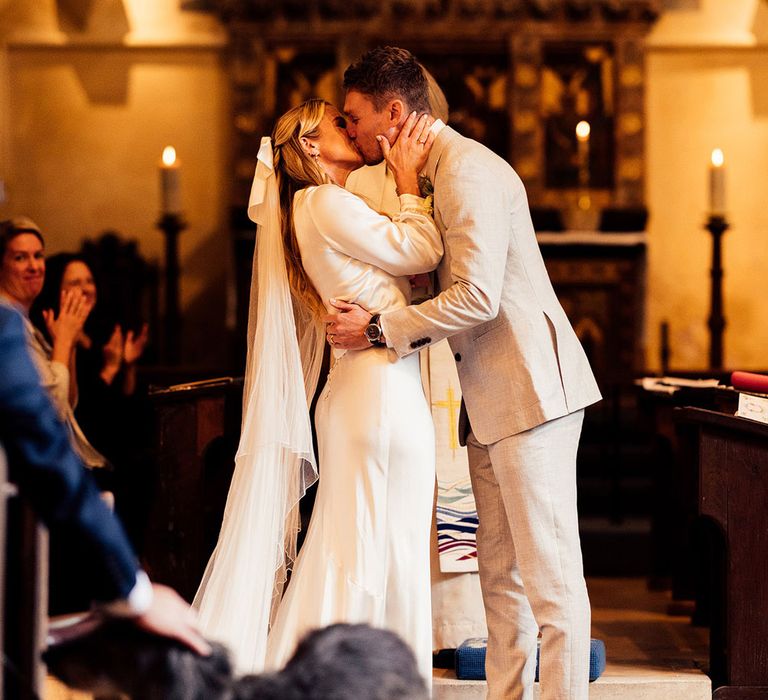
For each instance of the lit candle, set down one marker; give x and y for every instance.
(170, 191)
(717, 183)
(582, 136)
(582, 131)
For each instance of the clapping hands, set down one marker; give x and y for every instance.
(134, 345)
(65, 328)
(123, 351)
(74, 308)
(113, 355)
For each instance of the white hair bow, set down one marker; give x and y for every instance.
(265, 168)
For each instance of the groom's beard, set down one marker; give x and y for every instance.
(371, 151)
(374, 161)
(370, 158)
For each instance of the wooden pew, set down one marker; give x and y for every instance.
(196, 432)
(733, 493)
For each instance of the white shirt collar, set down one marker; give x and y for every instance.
(437, 126)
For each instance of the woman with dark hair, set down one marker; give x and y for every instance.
(106, 356)
(104, 371)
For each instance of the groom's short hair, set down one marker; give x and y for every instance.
(389, 72)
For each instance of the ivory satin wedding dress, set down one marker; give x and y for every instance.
(365, 557)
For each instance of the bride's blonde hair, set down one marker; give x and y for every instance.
(295, 170)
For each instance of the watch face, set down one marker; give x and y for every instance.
(372, 332)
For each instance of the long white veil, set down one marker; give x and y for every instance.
(275, 461)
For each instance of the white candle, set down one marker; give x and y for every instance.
(583, 130)
(170, 190)
(582, 136)
(717, 183)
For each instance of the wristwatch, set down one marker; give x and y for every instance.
(373, 331)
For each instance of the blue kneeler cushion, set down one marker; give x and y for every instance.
(470, 659)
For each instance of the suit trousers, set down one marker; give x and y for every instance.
(529, 556)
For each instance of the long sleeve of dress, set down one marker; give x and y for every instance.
(55, 379)
(54, 376)
(407, 244)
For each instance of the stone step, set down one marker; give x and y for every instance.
(615, 684)
(651, 655)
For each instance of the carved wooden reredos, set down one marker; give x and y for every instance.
(518, 75)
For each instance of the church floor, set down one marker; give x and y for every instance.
(650, 654)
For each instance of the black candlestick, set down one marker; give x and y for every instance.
(171, 225)
(717, 226)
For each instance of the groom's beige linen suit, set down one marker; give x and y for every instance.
(525, 380)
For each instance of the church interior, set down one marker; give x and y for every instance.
(129, 131)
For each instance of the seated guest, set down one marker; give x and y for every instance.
(50, 475)
(105, 361)
(106, 354)
(22, 274)
(22, 277)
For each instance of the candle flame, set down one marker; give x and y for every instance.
(169, 155)
(718, 158)
(582, 131)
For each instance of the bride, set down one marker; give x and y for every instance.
(366, 553)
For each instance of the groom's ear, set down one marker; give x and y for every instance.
(397, 113)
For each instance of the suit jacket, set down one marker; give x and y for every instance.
(375, 185)
(520, 363)
(51, 476)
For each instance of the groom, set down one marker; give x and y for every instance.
(524, 377)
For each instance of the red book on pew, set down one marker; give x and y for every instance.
(751, 406)
(750, 381)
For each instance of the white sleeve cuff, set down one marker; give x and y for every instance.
(137, 602)
(384, 332)
(414, 203)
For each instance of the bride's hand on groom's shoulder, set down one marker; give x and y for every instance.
(344, 330)
(407, 157)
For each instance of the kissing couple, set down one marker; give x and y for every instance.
(329, 267)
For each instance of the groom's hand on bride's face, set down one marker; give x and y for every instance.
(345, 329)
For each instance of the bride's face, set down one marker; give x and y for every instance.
(335, 146)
